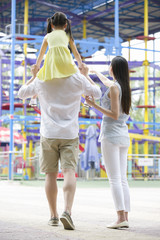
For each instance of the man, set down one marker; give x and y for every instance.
(60, 104)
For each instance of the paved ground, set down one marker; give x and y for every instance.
(24, 213)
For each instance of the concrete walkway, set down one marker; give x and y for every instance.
(24, 214)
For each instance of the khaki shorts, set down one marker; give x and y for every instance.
(52, 150)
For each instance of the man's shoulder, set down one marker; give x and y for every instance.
(78, 76)
(38, 81)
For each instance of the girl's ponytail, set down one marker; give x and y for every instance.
(49, 27)
(68, 28)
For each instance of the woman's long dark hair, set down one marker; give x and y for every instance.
(121, 74)
(59, 19)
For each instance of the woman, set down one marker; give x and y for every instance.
(114, 136)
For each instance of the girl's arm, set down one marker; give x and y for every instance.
(114, 96)
(75, 52)
(42, 52)
(106, 81)
(36, 67)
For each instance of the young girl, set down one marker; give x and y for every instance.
(114, 136)
(58, 62)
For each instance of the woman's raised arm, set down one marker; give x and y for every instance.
(106, 81)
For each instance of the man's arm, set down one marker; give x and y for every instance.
(89, 87)
(29, 89)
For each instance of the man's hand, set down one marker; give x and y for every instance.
(34, 70)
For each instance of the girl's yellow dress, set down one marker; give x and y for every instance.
(58, 61)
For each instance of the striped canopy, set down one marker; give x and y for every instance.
(5, 136)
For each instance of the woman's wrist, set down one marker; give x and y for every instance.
(93, 104)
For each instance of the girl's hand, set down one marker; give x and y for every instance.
(90, 100)
(81, 66)
(35, 67)
(84, 69)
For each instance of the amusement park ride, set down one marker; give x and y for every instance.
(143, 132)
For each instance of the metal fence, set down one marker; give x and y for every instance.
(144, 166)
(19, 28)
(28, 169)
(139, 167)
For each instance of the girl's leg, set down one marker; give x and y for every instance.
(111, 154)
(123, 164)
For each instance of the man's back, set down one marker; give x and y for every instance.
(60, 104)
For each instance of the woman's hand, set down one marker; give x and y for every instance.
(93, 71)
(90, 101)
